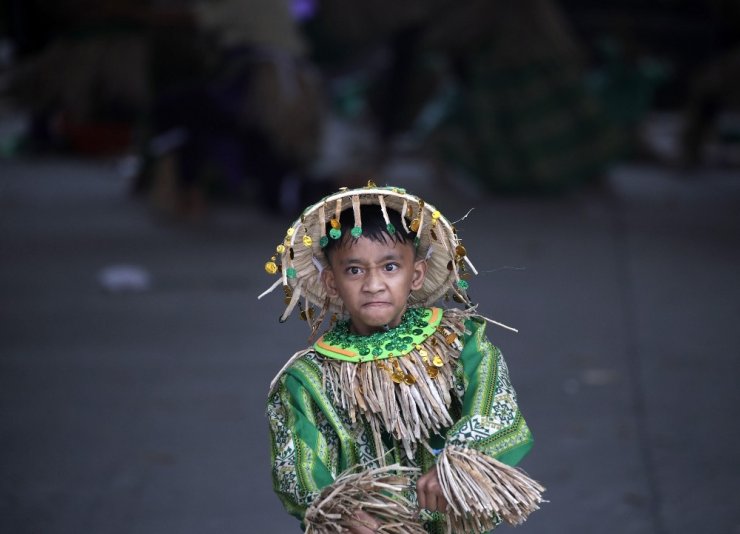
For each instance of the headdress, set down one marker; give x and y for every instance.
(299, 258)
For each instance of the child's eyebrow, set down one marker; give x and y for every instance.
(387, 257)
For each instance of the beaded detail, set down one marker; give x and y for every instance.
(416, 326)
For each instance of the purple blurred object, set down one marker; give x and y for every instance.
(303, 9)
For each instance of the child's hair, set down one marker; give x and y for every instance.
(374, 228)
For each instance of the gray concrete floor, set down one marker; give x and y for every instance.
(141, 412)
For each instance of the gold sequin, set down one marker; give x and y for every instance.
(460, 250)
(398, 377)
(280, 248)
(423, 353)
(271, 267)
(307, 240)
(371, 184)
(409, 380)
(335, 224)
(433, 372)
(436, 215)
(451, 338)
(438, 361)
(415, 225)
(291, 231)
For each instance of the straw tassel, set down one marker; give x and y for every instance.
(338, 209)
(315, 325)
(271, 288)
(293, 301)
(322, 220)
(383, 209)
(404, 209)
(479, 490)
(356, 211)
(377, 492)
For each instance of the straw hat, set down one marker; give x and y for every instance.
(299, 258)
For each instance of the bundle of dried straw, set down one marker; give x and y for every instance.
(377, 492)
(479, 489)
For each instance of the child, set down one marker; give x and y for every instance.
(401, 417)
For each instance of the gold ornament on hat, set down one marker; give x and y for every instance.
(436, 241)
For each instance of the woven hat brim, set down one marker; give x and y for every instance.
(302, 258)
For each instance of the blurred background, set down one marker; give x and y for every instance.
(152, 153)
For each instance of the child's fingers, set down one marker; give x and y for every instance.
(429, 492)
(363, 523)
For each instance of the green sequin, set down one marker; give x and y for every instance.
(462, 284)
(356, 232)
(323, 241)
(335, 233)
(417, 240)
(415, 326)
(391, 229)
(290, 272)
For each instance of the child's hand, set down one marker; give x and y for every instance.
(430, 493)
(363, 523)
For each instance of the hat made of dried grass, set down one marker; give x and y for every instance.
(299, 258)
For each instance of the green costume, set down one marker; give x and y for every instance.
(356, 420)
(445, 385)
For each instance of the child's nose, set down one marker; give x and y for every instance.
(373, 281)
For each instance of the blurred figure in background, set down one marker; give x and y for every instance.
(497, 89)
(252, 119)
(217, 96)
(82, 75)
(715, 91)
(524, 119)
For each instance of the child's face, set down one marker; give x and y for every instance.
(374, 281)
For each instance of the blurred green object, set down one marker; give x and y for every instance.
(528, 126)
(625, 85)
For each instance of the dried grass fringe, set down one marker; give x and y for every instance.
(479, 488)
(378, 492)
(410, 414)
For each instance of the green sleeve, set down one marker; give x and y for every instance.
(491, 421)
(303, 459)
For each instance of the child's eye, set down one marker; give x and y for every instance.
(353, 270)
(391, 267)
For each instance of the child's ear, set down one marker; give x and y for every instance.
(420, 271)
(327, 278)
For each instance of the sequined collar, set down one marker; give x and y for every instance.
(416, 326)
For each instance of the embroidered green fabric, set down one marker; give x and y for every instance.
(313, 437)
(416, 326)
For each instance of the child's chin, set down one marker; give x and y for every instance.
(379, 320)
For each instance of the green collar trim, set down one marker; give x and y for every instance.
(416, 326)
